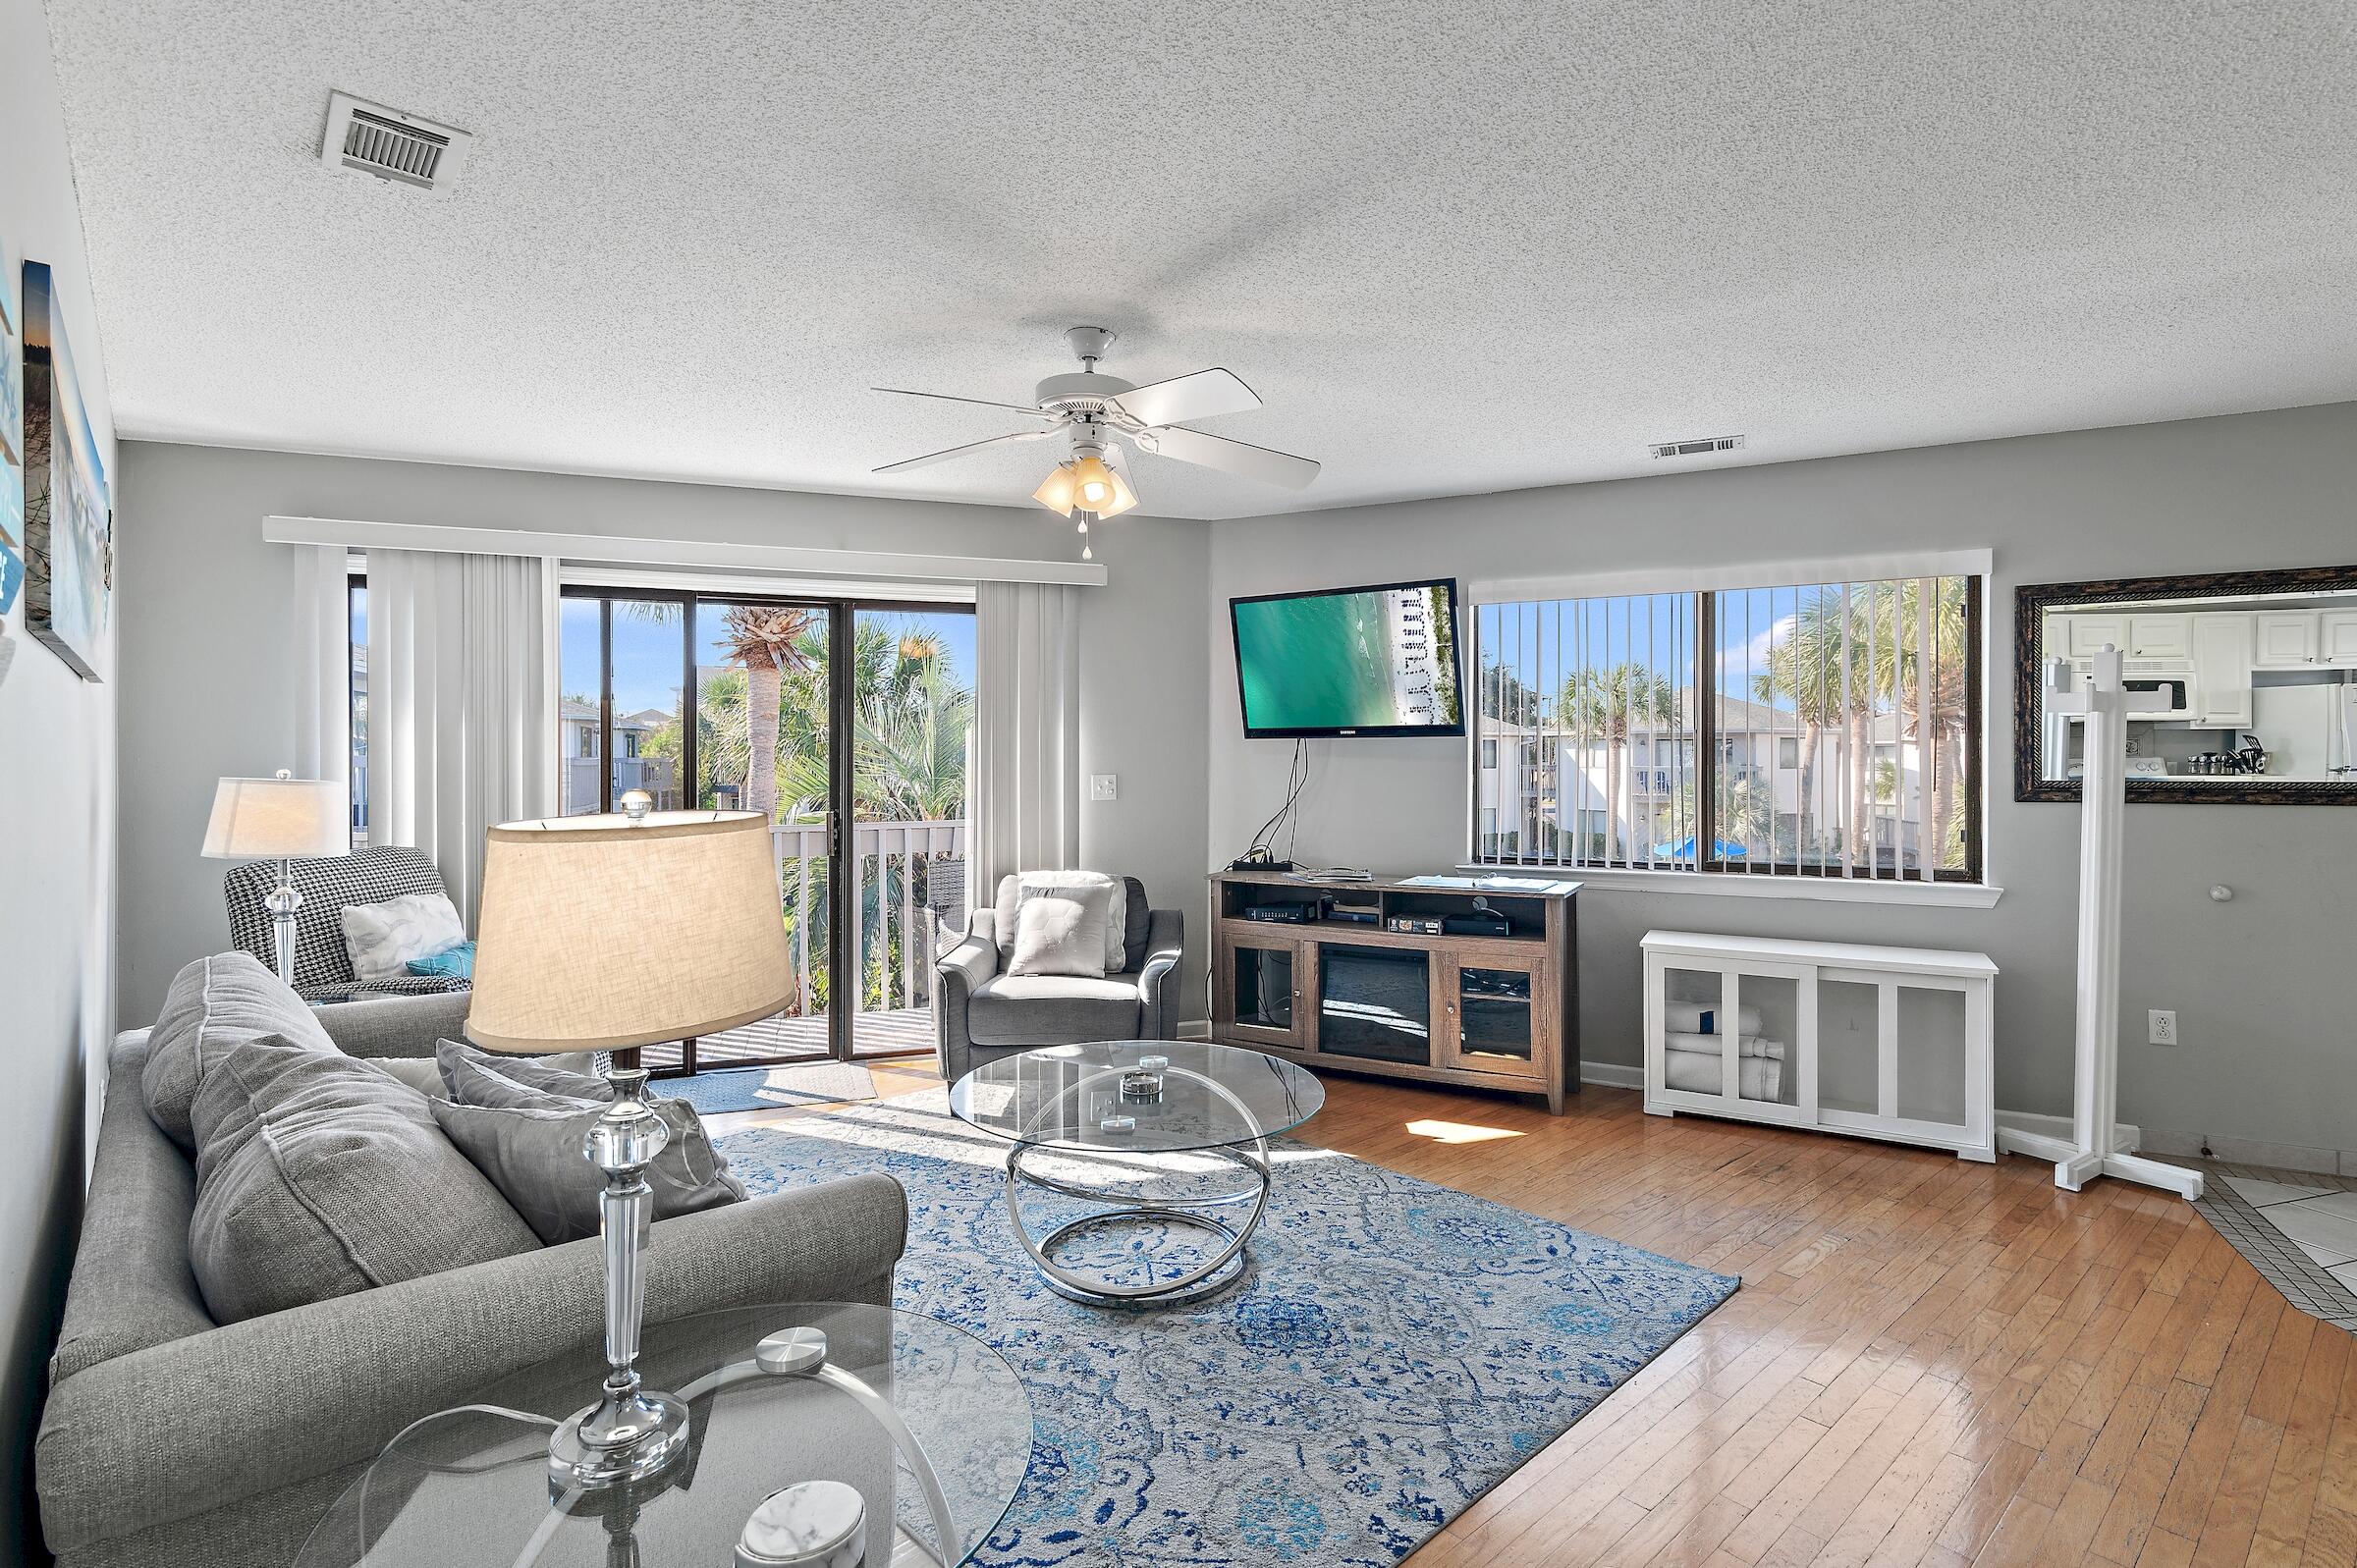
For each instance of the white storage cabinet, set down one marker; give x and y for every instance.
(1888, 1043)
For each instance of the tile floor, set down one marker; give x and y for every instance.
(2297, 1228)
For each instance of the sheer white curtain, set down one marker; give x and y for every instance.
(462, 726)
(1026, 785)
(321, 659)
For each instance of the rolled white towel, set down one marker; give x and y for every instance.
(1702, 1018)
(1747, 1046)
(1697, 1074)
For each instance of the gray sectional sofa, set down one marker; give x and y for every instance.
(170, 1439)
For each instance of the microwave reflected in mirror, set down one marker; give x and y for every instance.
(2248, 689)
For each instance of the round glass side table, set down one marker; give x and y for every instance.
(1122, 1105)
(922, 1419)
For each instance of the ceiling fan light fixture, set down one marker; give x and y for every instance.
(1121, 501)
(1092, 484)
(1059, 491)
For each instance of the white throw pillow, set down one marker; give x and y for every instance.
(1061, 933)
(382, 938)
(1014, 890)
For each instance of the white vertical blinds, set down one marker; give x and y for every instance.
(321, 657)
(1026, 795)
(1815, 729)
(460, 706)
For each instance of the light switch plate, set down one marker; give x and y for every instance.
(1103, 786)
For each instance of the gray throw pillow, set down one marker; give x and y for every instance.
(214, 1004)
(531, 1149)
(463, 1065)
(319, 1175)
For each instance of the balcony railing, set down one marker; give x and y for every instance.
(920, 868)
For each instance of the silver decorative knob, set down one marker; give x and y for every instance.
(2221, 893)
(793, 1352)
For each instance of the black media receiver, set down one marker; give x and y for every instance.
(1289, 914)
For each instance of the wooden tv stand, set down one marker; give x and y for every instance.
(1486, 1011)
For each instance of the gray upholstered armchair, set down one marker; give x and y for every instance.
(981, 1012)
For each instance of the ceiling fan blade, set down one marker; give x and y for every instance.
(1205, 395)
(947, 453)
(1232, 456)
(979, 403)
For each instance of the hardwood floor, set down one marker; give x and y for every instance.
(1930, 1361)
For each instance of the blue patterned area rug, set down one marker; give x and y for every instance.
(1395, 1350)
(803, 1083)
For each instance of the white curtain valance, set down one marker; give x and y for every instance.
(1024, 794)
(461, 723)
(882, 566)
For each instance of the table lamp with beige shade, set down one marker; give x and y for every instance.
(283, 819)
(609, 932)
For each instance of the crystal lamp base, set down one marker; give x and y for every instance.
(635, 1437)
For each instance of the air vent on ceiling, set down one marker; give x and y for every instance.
(1695, 449)
(390, 145)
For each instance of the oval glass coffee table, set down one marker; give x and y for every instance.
(1166, 1109)
(921, 1419)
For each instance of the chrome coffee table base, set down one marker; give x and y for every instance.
(1222, 1269)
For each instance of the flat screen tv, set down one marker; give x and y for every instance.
(1380, 660)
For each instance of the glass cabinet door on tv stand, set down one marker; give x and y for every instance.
(1492, 1009)
(1261, 983)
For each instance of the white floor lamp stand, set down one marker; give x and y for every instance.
(2093, 1148)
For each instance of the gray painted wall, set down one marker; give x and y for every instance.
(2263, 987)
(206, 691)
(57, 841)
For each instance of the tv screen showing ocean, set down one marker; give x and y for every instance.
(1380, 657)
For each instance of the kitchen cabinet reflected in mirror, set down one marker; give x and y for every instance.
(2256, 672)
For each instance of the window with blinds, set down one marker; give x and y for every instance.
(1826, 730)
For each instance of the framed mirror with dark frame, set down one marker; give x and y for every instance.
(2258, 671)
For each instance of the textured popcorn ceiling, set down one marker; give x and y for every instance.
(1455, 247)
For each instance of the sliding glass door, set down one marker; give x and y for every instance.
(765, 730)
(845, 723)
(910, 695)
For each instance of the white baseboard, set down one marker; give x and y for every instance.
(1194, 1029)
(1611, 1074)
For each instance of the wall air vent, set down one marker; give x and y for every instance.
(1695, 449)
(390, 145)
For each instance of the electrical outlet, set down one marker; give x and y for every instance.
(1103, 786)
(2160, 1028)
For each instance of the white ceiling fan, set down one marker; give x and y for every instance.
(1097, 411)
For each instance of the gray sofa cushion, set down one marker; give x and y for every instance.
(459, 1064)
(131, 1286)
(319, 1175)
(528, 1143)
(1051, 1009)
(215, 1004)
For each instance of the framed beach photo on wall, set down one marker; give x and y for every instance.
(68, 521)
(11, 431)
